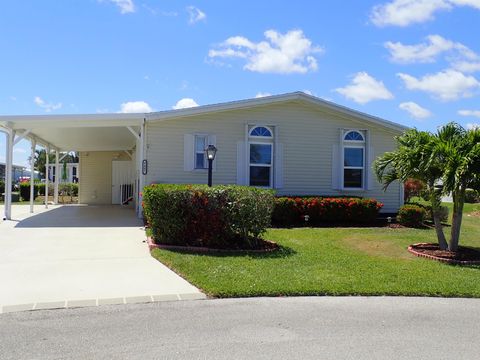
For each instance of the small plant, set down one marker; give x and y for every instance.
(411, 215)
(412, 188)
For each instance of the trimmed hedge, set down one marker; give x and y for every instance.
(316, 211)
(442, 212)
(232, 217)
(472, 196)
(411, 215)
(25, 190)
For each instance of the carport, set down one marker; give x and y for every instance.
(63, 133)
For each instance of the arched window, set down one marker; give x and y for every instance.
(260, 148)
(353, 136)
(261, 131)
(353, 159)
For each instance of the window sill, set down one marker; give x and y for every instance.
(353, 189)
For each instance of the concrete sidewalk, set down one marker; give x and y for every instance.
(72, 256)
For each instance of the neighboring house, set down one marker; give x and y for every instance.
(18, 172)
(294, 143)
(71, 175)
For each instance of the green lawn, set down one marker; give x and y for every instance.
(334, 261)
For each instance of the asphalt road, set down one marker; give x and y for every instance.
(263, 328)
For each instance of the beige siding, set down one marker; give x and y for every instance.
(307, 133)
(95, 185)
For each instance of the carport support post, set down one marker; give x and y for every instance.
(57, 177)
(47, 164)
(8, 173)
(33, 145)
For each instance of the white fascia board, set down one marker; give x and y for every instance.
(268, 100)
(71, 121)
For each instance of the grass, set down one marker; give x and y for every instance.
(334, 261)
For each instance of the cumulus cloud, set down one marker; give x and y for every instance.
(185, 103)
(135, 107)
(475, 113)
(407, 12)
(279, 53)
(472, 126)
(195, 15)
(365, 88)
(125, 6)
(262, 94)
(415, 110)
(445, 85)
(459, 56)
(48, 107)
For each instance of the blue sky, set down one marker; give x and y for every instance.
(415, 62)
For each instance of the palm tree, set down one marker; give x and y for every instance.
(413, 159)
(450, 157)
(458, 150)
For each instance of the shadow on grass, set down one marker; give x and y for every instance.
(281, 252)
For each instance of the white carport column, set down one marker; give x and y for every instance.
(8, 173)
(57, 177)
(33, 145)
(141, 179)
(47, 164)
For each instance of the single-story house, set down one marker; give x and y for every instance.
(18, 171)
(68, 173)
(294, 143)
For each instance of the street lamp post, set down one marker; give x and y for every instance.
(210, 151)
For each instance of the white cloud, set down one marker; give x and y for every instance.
(445, 85)
(406, 12)
(364, 88)
(280, 53)
(184, 104)
(135, 107)
(125, 6)
(19, 150)
(423, 53)
(195, 15)
(262, 94)
(13, 98)
(472, 126)
(415, 110)
(459, 56)
(467, 66)
(48, 107)
(475, 113)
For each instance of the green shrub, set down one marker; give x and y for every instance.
(442, 212)
(216, 217)
(472, 196)
(2, 187)
(314, 211)
(25, 190)
(70, 189)
(411, 215)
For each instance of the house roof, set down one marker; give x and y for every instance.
(273, 99)
(90, 132)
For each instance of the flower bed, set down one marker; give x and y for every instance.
(316, 211)
(221, 217)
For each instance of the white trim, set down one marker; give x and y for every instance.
(195, 152)
(134, 133)
(33, 146)
(270, 166)
(353, 144)
(258, 136)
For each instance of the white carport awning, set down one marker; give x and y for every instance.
(97, 132)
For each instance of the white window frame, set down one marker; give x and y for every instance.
(355, 144)
(262, 140)
(195, 152)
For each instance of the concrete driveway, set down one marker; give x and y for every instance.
(72, 256)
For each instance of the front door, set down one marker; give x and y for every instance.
(122, 178)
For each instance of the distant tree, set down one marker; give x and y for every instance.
(40, 160)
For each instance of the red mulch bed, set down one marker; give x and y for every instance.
(264, 246)
(463, 256)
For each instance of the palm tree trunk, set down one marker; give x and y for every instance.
(436, 203)
(458, 202)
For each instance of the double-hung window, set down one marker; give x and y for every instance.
(260, 148)
(200, 146)
(353, 159)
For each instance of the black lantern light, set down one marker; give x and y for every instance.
(210, 151)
